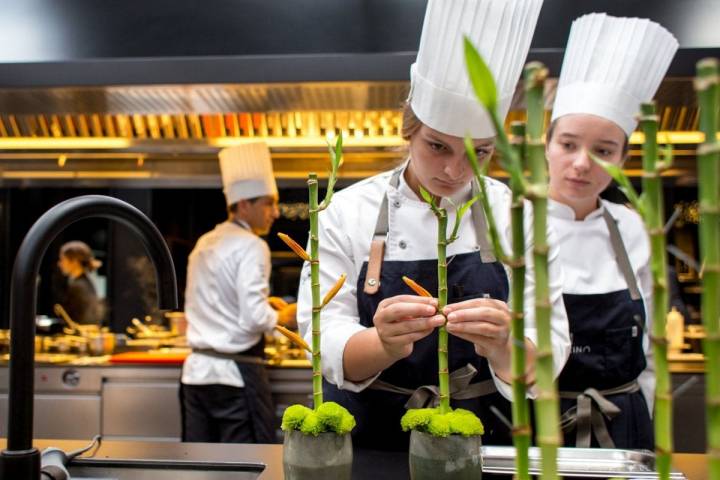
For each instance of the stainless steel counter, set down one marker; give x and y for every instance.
(367, 465)
(138, 402)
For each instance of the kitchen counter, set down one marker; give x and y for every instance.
(368, 465)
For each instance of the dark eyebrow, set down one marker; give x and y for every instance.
(572, 136)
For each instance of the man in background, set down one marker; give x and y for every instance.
(225, 390)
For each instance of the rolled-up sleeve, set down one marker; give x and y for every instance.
(339, 318)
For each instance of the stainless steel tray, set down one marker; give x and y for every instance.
(580, 462)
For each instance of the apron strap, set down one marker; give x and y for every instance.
(429, 395)
(621, 255)
(487, 254)
(235, 357)
(587, 414)
(377, 245)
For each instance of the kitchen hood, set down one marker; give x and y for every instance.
(145, 93)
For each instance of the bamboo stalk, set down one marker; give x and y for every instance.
(520, 408)
(443, 374)
(547, 406)
(707, 85)
(315, 290)
(654, 210)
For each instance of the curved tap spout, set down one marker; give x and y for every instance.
(20, 459)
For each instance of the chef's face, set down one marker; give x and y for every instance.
(261, 213)
(575, 179)
(439, 163)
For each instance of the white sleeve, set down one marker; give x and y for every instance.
(252, 286)
(560, 330)
(339, 318)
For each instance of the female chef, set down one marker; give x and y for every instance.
(611, 65)
(379, 340)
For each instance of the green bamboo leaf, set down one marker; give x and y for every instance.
(481, 77)
(666, 153)
(615, 171)
(464, 207)
(427, 196)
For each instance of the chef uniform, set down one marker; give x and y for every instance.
(224, 383)
(378, 230)
(611, 66)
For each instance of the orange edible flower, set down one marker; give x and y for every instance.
(416, 287)
(294, 337)
(334, 290)
(299, 251)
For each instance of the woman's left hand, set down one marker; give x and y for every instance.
(486, 323)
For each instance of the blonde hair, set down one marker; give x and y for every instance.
(410, 122)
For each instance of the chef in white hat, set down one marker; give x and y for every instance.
(225, 391)
(379, 339)
(611, 66)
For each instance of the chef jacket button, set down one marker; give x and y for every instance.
(396, 204)
(402, 244)
(372, 282)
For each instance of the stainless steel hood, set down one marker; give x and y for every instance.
(149, 91)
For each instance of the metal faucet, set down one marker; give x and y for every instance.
(20, 460)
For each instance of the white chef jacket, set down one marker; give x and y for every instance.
(345, 231)
(590, 267)
(226, 301)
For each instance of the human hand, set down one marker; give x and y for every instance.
(277, 303)
(402, 320)
(287, 315)
(485, 322)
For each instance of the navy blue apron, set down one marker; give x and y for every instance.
(601, 400)
(378, 410)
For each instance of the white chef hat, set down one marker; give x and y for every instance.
(611, 66)
(247, 172)
(441, 95)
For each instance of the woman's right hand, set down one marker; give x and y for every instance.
(402, 320)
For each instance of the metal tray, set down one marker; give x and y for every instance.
(580, 462)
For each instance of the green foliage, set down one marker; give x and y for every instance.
(294, 416)
(615, 171)
(336, 160)
(481, 77)
(329, 417)
(430, 420)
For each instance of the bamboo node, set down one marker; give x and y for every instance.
(316, 309)
(712, 402)
(659, 341)
(521, 431)
(656, 232)
(442, 350)
(541, 249)
(709, 209)
(443, 371)
(315, 262)
(647, 118)
(518, 315)
(703, 83)
(516, 263)
(713, 453)
(708, 148)
(663, 397)
(535, 142)
(651, 175)
(712, 336)
(316, 354)
(549, 441)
